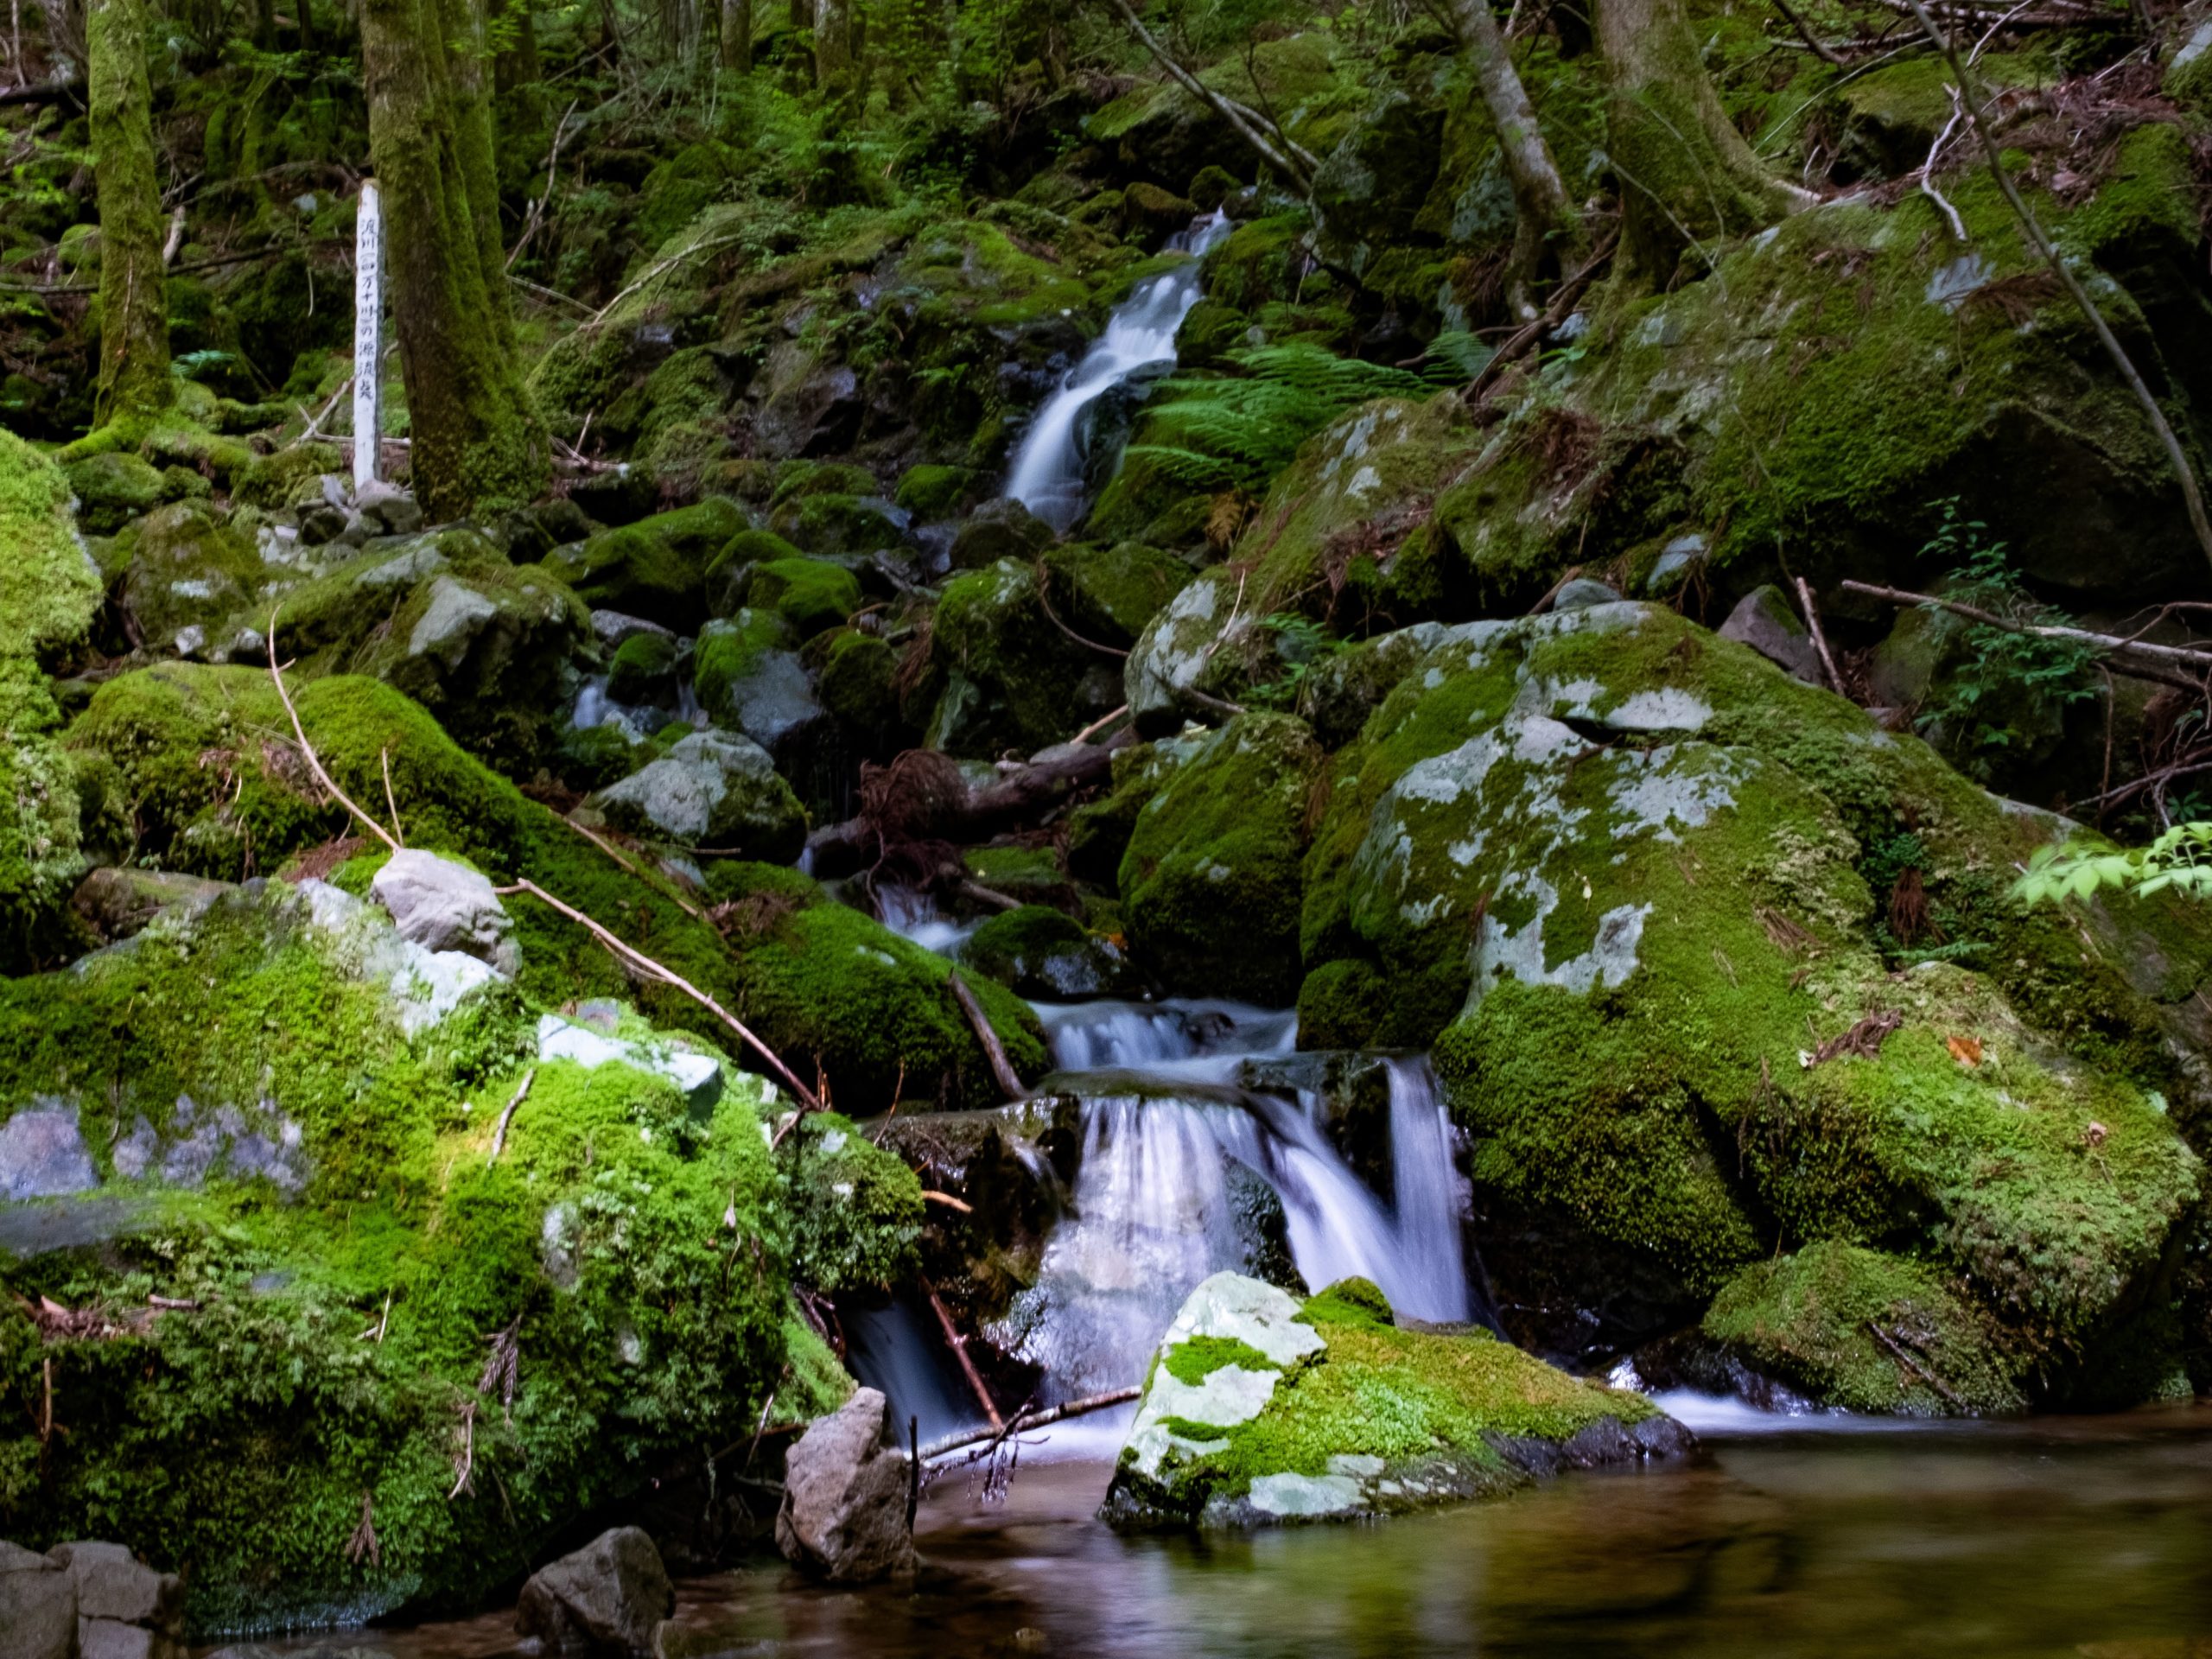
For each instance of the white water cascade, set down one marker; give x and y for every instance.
(1048, 476)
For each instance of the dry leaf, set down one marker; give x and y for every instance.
(1967, 1051)
(2094, 1136)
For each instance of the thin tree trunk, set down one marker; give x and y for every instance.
(466, 57)
(1688, 177)
(134, 380)
(478, 446)
(1547, 224)
(833, 43)
(737, 36)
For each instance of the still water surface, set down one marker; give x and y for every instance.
(2056, 1537)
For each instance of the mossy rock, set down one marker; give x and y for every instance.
(186, 572)
(112, 489)
(859, 683)
(657, 568)
(731, 571)
(488, 647)
(1044, 954)
(712, 789)
(271, 481)
(826, 986)
(1108, 594)
(1011, 679)
(643, 669)
(857, 1217)
(830, 524)
(748, 676)
(1259, 1410)
(1211, 881)
(933, 492)
(811, 594)
(1630, 862)
(1867, 1332)
(589, 1258)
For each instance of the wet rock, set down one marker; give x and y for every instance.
(1000, 529)
(610, 1598)
(1246, 1371)
(1765, 619)
(442, 905)
(845, 1494)
(828, 523)
(42, 1153)
(1581, 594)
(1151, 212)
(614, 630)
(38, 1605)
(749, 677)
(389, 509)
(713, 788)
(1044, 955)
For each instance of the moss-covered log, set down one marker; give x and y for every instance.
(134, 314)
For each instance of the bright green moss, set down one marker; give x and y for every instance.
(643, 670)
(1867, 1332)
(811, 594)
(1108, 594)
(1012, 680)
(934, 492)
(657, 568)
(856, 1210)
(1197, 1359)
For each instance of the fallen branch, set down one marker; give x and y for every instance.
(1928, 172)
(1099, 725)
(499, 1134)
(958, 1344)
(1915, 1366)
(930, 1195)
(1044, 599)
(1821, 49)
(1243, 122)
(1008, 1079)
(991, 896)
(2180, 656)
(1820, 638)
(644, 964)
(1028, 1419)
(971, 814)
(315, 762)
(2192, 496)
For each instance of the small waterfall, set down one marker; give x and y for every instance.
(1425, 1181)
(1048, 476)
(914, 915)
(1190, 1039)
(896, 1349)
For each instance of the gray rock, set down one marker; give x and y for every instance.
(714, 789)
(845, 1491)
(1581, 594)
(109, 1638)
(1000, 529)
(42, 1153)
(113, 1583)
(774, 703)
(198, 1143)
(699, 1076)
(119, 903)
(1765, 619)
(1678, 562)
(388, 507)
(443, 905)
(610, 1597)
(612, 628)
(38, 1605)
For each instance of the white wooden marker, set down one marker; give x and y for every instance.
(368, 335)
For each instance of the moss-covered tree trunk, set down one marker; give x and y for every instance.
(737, 36)
(1547, 229)
(515, 66)
(833, 43)
(1687, 175)
(467, 55)
(134, 382)
(478, 445)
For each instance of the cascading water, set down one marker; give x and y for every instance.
(1048, 471)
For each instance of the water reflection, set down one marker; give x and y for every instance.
(2052, 1538)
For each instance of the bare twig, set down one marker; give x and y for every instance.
(1928, 172)
(1916, 1367)
(1298, 166)
(2180, 656)
(930, 1195)
(499, 1134)
(958, 1344)
(315, 762)
(1822, 49)
(1008, 1079)
(1820, 638)
(390, 803)
(1099, 725)
(1562, 306)
(1029, 1420)
(2192, 496)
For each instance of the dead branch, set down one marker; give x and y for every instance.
(1028, 1419)
(930, 1195)
(1008, 1079)
(1562, 307)
(499, 1135)
(958, 1343)
(1298, 166)
(315, 762)
(2181, 656)
(363, 1545)
(1099, 725)
(1863, 1040)
(1819, 47)
(1897, 1350)
(503, 1366)
(1820, 638)
(1044, 599)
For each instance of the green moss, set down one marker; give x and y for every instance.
(272, 480)
(728, 654)
(1041, 952)
(112, 489)
(1011, 679)
(1198, 1358)
(1211, 881)
(1865, 1331)
(643, 669)
(731, 570)
(858, 1210)
(934, 492)
(657, 568)
(811, 594)
(1108, 594)
(859, 685)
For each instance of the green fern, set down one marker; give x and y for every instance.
(1238, 431)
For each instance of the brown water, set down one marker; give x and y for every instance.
(2055, 1537)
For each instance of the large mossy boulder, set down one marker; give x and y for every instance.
(1718, 965)
(185, 572)
(1209, 880)
(749, 677)
(1039, 952)
(834, 991)
(49, 593)
(1011, 679)
(489, 647)
(1260, 1410)
(329, 1286)
(657, 568)
(112, 489)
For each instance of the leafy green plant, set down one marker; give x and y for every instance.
(1303, 644)
(1236, 432)
(2180, 861)
(2004, 684)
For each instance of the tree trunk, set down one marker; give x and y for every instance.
(1687, 175)
(477, 443)
(1548, 230)
(737, 36)
(462, 22)
(833, 43)
(514, 67)
(134, 382)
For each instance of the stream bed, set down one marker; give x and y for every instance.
(2084, 1535)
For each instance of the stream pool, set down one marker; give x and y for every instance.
(2059, 1536)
